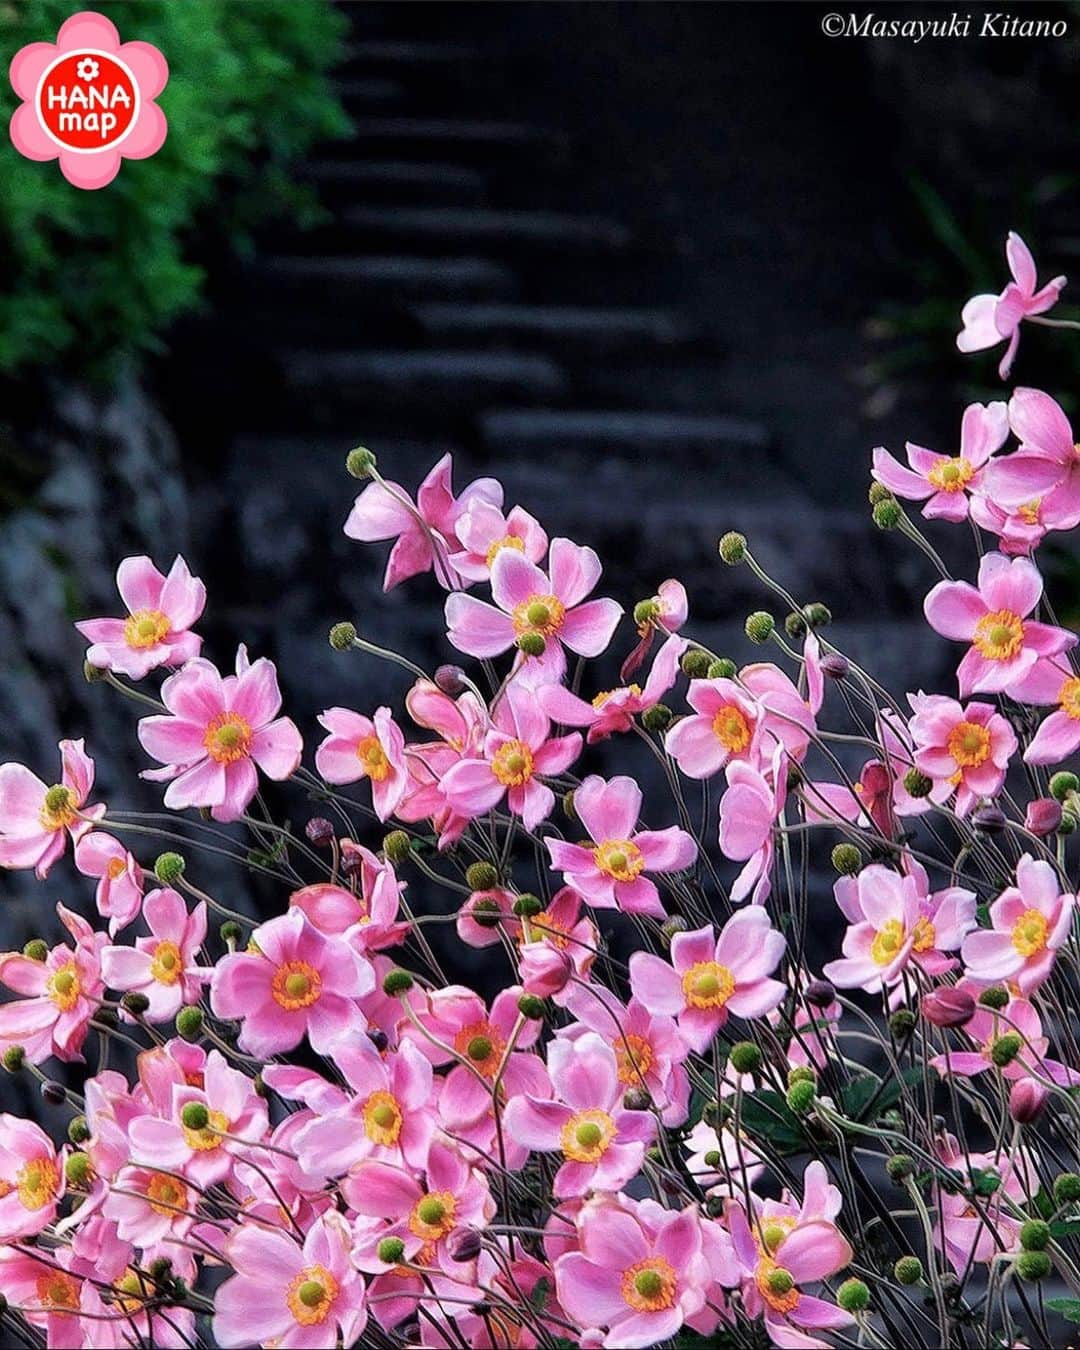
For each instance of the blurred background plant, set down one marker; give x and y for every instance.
(89, 279)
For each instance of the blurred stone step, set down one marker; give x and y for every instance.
(402, 54)
(453, 229)
(598, 330)
(474, 138)
(360, 95)
(350, 278)
(398, 182)
(674, 435)
(428, 383)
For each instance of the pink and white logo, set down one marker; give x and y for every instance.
(88, 100)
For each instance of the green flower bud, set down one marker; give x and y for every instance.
(486, 912)
(78, 1130)
(528, 906)
(656, 718)
(77, 1169)
(759, 626)
(908, 1270)
(887, 514)
(996, 997)
(818, 615)
(986, 1183)
(878, 493)
(802, 1073)
(37, 949)
(230, 932)
(189, 1023)
(360, 462)
(194, 1116)
(531, 1007)
(481, 876)
(160, 1269)
(800, 1097)
(1069, 820)
(795, 625)
(900, 1167)
(396, 846)
(902, 1023)
(847, 859)
(917, 783)
(1062, 784)
(342, 636)
(1033, 1265)
(568, 805)
(532, 644)
(397, 981)
(1005, 1049)
(391, 1250)
(732, 548)
(713, 1158)
(853, 1296)
(135, 1003)
(674, 923)
(745, 1057)
(1035, 1235)
(646, 612)
(169, 867)
(695, 663)
(715, 1206)
(1067, 1189)
(94, 674)
(721, 669)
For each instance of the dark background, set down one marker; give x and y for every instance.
(665, 269)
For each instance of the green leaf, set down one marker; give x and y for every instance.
(1069, 1308)
(765, 1115)
(1065, 1228)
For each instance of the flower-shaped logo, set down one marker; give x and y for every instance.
(88, 100)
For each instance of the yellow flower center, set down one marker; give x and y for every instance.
(649, 1285)
(167, 964)
(1029, 512)
(924, 935)
(296, 984)
(887, 942)
(166, 1194)
(1069, 698)
(209, 1137)
(556, 933)
(1030, 932)
(512, 764)
(600, 699)
(732, 729)
(57, 1289)
(707, 984)
(1000, 635)
(634, 1057)
(58, 809)
(37, 1182)
(372, 756)
(776, 1286)
(951, 475)
(382, 1118)
(587, 1134)
(145, 628)
(116, 869)
(311, 1295)
(64, 987)
(432, 1216)
(969, 744)
(227, 738)
(507, 541)
(620, 859)
(482, 1045)
(773, 1231)
(543, 614)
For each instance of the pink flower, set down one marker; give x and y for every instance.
(367, 913)
(602, 1144)
(282, 1293)
(142, 81)
(1041, 481)
(641, 1285)
(57, 996)
(967, 747)
(360, 747)
(724, 728)
(36, 820)
(516, 752)
(787, 719)
(548, 605)
(156, 632)
(120, 885)
(149, 1207)
(614, 710)
(712, 977)
(1058, 736)
(543, 969)
(163, 966)
(1030, 921)
(946, 480)
(968, 1234)
(749, 808)
(296, 981)
(990, 319)
(389, 1114)
(461, 724)
(609, 872)
(484, 532)
(217, 731)
(424, 531)
(31, 1179)
(1006, 646)
(887, 925)
(987, 1026)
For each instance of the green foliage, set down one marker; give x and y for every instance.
(92, 277)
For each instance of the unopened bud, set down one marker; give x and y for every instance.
(53, 1092)
(78, 1130)
(759, 626)
(820, 993)
(795, 625)
(189, 1023)
(77, 1169)
(135, 1002)
(466, 1245)
(878, 493)
(451, 680)
(37, 949)
(723, 668)
(1027, 1100)
(800, 1097)
(745, 1057)
(847, 859)
(948, 1007)
(342, 636)
(532, 644)
(886, 514)
(1033, 1265)
(168, 867)
(1043, 816)
(94, 674)
(853, 1296)
(996, 997)
(231, 933)
(481, 876)
(908, 1270)
(1035, 1235)
(360, 462)
(1063, 784)
(917, 783)
(1067, 1189)
(732, 548)
(835, 666)
(396, 846)
(656, 718)
(527, 906)
(532, 1007)
(637, 1099)
(989, 820)
(817, 614)
(397, 981)
(901, 1023)
(319, 831)
(695, 663)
